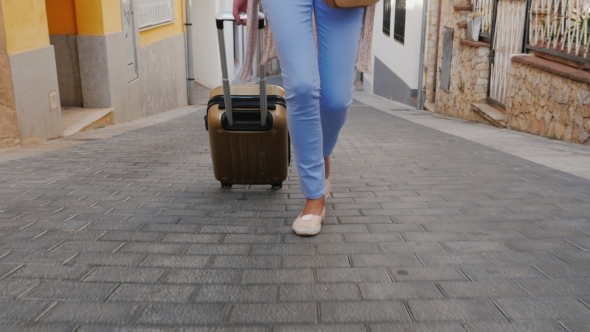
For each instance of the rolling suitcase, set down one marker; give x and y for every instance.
(247, 127)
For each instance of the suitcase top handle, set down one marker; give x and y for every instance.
(220, 19)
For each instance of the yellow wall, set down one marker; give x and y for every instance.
(166, 31)
(61, 15)
(26, 25)
(98, 17)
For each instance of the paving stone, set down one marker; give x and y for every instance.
(89, 246)
(427, 274)
(319, 328)
(540, 245)
(353, 275)
(36, 257)
(106, 259)
(385, 260)
(348, 248)
(124, 274)
(537, 326)
(300, 313)
(131, 237)
(152, 248)
(283, 249)
(151, 293)
(320, 238)
(411, 247)
(192, 276)
(218, 249)
(51, 272)
(399, 291)
(549, 308)
(169, 261)
(315, 261)
(60, 290)
(12, 288)
(362, 312)
(238, 294)
(252, 238)
(488, 288)
(318, 292)
(239, 262)
(470, 246)
(224, 329)
(90, 312)
(455, 310)
(566, 287)
(183, 314)
(21, 311)
(577, 326)
(38, 328)
(286, 276)
(419, 327)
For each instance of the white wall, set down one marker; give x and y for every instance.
(206, 49)
(403, 60)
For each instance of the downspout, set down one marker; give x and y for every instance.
(189, 52)
(421, 93)
(436, 52)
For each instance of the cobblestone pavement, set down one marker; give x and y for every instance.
(425, 231)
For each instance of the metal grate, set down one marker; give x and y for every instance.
(155, 12)
(399, 27)
(509, 26)
(387, 17)
(486, 9)
(561, 25)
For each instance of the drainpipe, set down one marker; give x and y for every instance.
(189, 52)
(421, 93)
(436, 52)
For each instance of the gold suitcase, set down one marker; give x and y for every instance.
(247, 127)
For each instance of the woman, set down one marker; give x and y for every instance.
(318, 82)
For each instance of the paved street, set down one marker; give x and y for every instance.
(425, 231)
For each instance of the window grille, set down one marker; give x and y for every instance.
(399, 27)
(153, 13)
(387, 17)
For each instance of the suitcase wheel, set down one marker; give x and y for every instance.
(226, 185)
(277, 186)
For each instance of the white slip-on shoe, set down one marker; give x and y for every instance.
(309, 224)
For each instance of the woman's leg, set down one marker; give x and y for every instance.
(291, 25)
(339, 33)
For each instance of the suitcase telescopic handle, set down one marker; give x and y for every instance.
(220, 19)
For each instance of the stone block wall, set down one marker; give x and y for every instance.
(469, 81)
(469, 64)
(546, 104)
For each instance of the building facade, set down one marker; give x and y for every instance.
(87, 54)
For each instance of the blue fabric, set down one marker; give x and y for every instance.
(318, 80)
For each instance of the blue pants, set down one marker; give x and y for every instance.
(318, 80)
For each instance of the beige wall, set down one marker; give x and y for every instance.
(9, 132)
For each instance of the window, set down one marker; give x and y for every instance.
(153, 13)
(387, 17)
(399, 28)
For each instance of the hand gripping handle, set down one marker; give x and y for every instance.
(220, 19)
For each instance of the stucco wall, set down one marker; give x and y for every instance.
(155, 35)
(68, 69)
(9, 131)
(25, 23)
(401, 59)
(546, 104)
(34, 77)
(162, 72)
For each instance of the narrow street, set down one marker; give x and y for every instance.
(425, 231)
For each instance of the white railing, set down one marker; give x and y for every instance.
(561, 25)
(508, 37)
(153, 13)
(486, 9)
